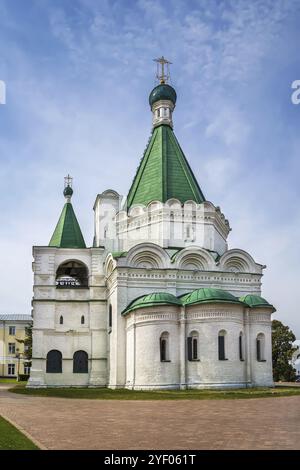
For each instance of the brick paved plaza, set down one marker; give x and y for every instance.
(60, 423)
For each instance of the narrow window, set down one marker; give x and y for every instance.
(61, 320)
(195, 349)
(164, 347)
(241, 347)
(54, 362)
(221, 345)
(80, 362)
(260, 347)
(82, 319)
(192, 346)
(172, 226)
(110, 317)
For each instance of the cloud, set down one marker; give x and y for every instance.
(229, 125)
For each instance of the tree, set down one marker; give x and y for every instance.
(282, 351)
(27, 342)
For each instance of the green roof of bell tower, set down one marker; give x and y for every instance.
(67, 233)
(164, 172)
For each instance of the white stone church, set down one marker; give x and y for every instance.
(158, 301)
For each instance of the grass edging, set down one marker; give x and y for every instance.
(124, 394)
(15, 437)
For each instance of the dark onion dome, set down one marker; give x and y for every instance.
(256, 301)
(162, 91)
(209, 295)
(68, 191)
(149, 300)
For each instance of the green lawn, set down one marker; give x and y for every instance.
(123, 394)
(8, 381)
(12, 439)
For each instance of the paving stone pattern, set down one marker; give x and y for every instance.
(59, 423)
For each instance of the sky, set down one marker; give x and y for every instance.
(78, 75)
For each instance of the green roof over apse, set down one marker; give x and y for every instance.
(67, 233)
(164, 172)
(209, 295)
(256, 301)
(149, 300)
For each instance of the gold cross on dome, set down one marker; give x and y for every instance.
(161, 75)
(68, 181)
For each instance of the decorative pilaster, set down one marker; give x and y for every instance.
(248, 357)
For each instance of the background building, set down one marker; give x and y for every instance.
(12, 360)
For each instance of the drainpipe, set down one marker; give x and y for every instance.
(182, 352)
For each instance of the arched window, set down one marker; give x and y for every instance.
(110, 316)
(54, 362)
(82, 320)
(241, 347)
(222, 345)
(192, 343)
(71, 274)
(61, 320)
(164, 347)
(260, 347)
(80, 362)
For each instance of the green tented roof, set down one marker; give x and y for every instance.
(255, 301)
(164, 172)
(67, 233)
(149, 300)
(209, 295)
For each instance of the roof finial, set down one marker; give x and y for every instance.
(161, 75)
(68, 191)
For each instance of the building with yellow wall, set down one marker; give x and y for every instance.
(12, 358)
